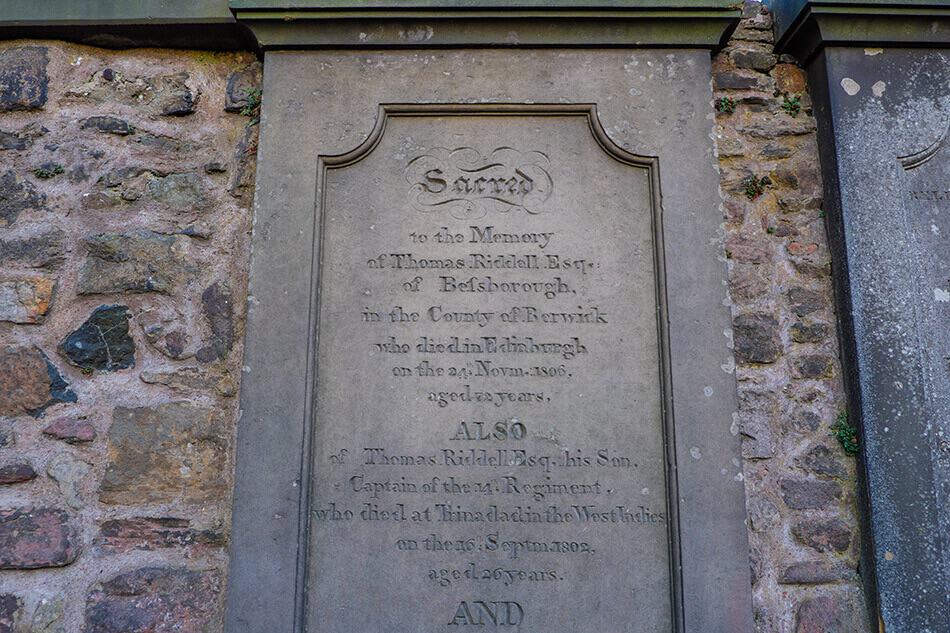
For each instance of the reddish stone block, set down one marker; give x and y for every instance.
(71, 431)
(148, 533)
(16, 473)
(36, 538)
(154, 600)
(820, 615)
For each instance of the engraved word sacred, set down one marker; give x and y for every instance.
(468, 185)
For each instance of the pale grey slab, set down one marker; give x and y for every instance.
(649, 103)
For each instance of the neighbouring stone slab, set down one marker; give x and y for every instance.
(32, 538)
(165, 453)
(154, 600)
(884, 128)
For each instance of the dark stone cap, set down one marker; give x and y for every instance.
(804, 27)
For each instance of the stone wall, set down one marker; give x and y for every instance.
(800, 480)
(125, 190)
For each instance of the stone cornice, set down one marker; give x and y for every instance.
(296, 24)
(456, 23)
(803, 27)
(202, 24)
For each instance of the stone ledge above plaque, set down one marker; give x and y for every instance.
(295, 24)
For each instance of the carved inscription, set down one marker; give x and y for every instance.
(488, 439)
(466, 185)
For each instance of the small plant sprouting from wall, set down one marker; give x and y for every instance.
(48, 170)
(846, 433)
(252, 106)
(754, 187)
(792, 104)
(725, 105)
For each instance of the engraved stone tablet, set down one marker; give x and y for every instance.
(489, 427)
(480, 280)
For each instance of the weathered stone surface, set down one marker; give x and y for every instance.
(733, 80)
(26, 300)
(17, 195)
(29, 382)
(23, 79)
(814, 573)
(809, 332)
(813, 366)
(769, 129)
(167, 333)
(789, 79)
(159, 454)
(808, 494)
(824, 535)
(753, 59)
(39, 250)
(804, 301)
(823, 461)
(16, 473)
(181, 191)
(758, 441)
(108, 125)
(21, 139)
(71, 431)
(240, 83)
(218, 309)
(175, 97)
(141, 261)
(245, 153)
(35, 538)
(745, 250)
(748, 283)
(214, 379)
(154, 600)
(11, 606)
(7, 435)
(151, 533)
(68, 472)
(822, 615)
(48, 616)
(102, 342)
(756, 338)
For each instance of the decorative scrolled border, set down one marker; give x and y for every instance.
(916, 160)
(650, 163)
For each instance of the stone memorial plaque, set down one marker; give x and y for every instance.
(475, 297)
(489, 423)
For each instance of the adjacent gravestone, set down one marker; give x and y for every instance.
(883, 113)
(488, 381)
